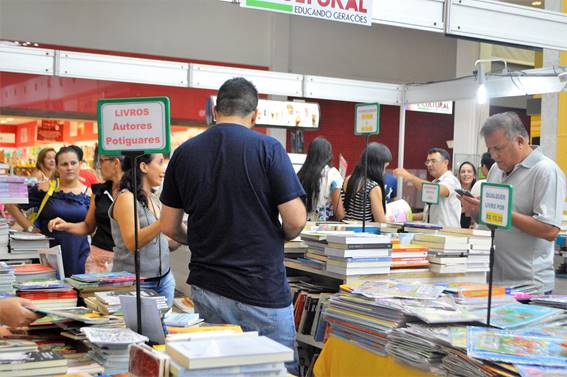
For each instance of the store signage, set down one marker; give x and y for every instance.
(430, 193)
(444, 107)
(50, 130)
(133, 124)
(7, 138)
(496, 205)
(349, 11)
(367, 119)
(278, 113)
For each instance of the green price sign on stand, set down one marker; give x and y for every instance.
(430, 193)
(367, 119)
(496, 205)
(133, 125)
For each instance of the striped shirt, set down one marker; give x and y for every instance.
(356, 209)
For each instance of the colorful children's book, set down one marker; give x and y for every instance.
(540, 371)
(519, 315)
(510, 347)
(392, 288)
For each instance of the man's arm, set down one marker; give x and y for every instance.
(172, 224)
(417, 182)
(294, 217)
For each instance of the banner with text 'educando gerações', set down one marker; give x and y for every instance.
(350, 11)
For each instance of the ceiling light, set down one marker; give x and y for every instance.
(10, 119)
(537, 3)
(481, 94)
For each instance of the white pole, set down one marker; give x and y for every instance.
(401, 142)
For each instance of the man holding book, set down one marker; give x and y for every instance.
(233, 183)
(524, 254)
(447, 212)
(16, 312)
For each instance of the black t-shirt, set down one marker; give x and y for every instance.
(103, 200)
(230, 181)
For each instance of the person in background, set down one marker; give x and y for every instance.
(378, 156)
(16, 312)
(321, 181)
(486, 163)
(153, 245)
(467, 178)
(86, 175)
(390, 187)
(448, 212)
(69, 201)
(524, 253)
(104, 194)
(45, 165)
(233, 183)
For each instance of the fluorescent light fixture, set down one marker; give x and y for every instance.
(14, 58)
(267, 82)
(119, 68)
(352, 90)
(481, 94)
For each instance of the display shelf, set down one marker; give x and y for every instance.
(308, 339)
(424, 276)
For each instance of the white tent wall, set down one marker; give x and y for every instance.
(218, 31)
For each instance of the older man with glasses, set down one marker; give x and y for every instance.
(448, 211)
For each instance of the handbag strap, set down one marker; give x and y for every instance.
(52, 186)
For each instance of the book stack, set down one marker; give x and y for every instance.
(4, 238)
(478, 258)
(244, 354)
(315, 253)
(474, 296)
(419, 227)
(108, 302)
(109, 347)
(358, 254)
(7, 280)
(13, 189)
(48, 294)
(404, 256)
(295, 248)
(181, 319)
(88, 284)
(31, 363)
(447, 254)
(26, 245)
(33, 271)
(554, 301)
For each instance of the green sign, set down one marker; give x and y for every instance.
(430, 193)
(496, 205)
(133, 124)
(367, 119)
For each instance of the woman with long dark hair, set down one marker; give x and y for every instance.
(153, 245)
(467, 178)
(378, 157)
(322, 182)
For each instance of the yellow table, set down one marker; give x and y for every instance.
(341, 358)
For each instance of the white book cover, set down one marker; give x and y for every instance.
(228, 351)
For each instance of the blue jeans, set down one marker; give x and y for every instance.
(164, 286)
(275, 323)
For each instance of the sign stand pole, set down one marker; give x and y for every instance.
(365, 183)
(134, 156)
(491, 267)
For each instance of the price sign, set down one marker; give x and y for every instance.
(496, 205)
(367, 119)
(430, 193)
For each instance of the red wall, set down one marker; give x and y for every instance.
(8, 129)
(423, 131)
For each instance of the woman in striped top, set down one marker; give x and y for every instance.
(379, 156)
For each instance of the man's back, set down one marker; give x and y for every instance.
(230, 180)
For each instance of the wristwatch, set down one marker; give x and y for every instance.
(29, 229)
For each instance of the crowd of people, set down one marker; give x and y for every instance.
(243, 200)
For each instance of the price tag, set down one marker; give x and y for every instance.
(430, 193)
(367, 119)
(496, 205)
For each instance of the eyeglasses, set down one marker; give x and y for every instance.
(105, 159)
(430, 162)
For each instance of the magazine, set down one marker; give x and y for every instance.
(53, 258)
(392, 288)
(510, 347)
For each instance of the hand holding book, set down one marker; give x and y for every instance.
(16, 312)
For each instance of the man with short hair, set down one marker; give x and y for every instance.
(447, 212)
(524, 254)
(233, 183)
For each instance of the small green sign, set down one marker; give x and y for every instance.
(496, 205)
(367, 119)
(430, 193)
(133, 125)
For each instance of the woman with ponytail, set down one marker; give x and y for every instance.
(153, 246)
(378, 156)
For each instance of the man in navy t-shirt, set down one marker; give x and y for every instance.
(233, 183)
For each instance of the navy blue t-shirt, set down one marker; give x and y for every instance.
(391, 187)
(230, 181)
